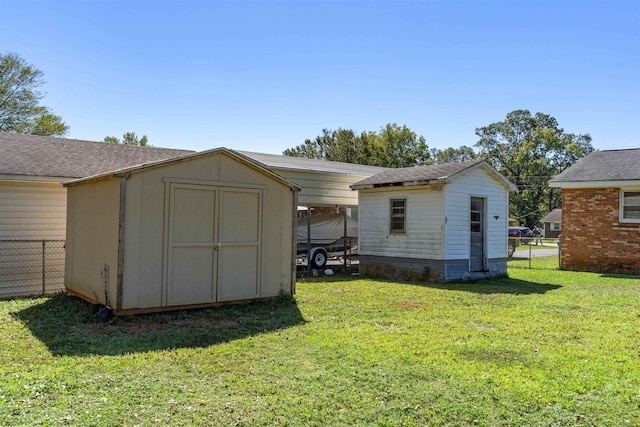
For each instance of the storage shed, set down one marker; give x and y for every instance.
(196, 230)
(439, 223)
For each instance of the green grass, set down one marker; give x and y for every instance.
(540, 348)
(543, 263)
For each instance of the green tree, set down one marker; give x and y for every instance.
(529, 150)
(400, 147)
(393, 146)
(129, 138)
(20, 109)
(453, 155)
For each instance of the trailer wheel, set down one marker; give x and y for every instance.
(318, 258)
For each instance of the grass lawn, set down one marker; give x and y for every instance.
(540, 348)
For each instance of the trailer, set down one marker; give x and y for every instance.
(324, 236)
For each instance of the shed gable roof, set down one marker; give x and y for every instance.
(192, 155)
(32, 155)
(427, 175)
(602, 166)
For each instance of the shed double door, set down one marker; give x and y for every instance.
(213, 244)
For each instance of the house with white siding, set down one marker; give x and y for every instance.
(33, 202)
(438, 223)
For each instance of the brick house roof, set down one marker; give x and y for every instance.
(44, 156)
(553, 216)
(606, 165)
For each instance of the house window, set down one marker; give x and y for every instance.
(398, 215)
(554, 226)
(630, 206)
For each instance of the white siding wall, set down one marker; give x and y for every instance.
(32, 210)
(425, 228)
(476, 183)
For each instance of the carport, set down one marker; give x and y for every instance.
(325, 185)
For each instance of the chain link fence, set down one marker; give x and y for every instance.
(31, 267)
(534, 252)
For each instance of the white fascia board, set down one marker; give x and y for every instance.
(595, 184)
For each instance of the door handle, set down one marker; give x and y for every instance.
(217, 245)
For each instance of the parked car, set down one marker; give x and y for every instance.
(526, 235)
(514, 234)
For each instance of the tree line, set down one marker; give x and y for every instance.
(528, 149)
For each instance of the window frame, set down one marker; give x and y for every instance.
(393, 230)
(555, 226)
(621, 216)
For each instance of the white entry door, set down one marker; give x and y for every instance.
(213, 244)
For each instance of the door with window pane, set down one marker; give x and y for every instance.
(477, 258)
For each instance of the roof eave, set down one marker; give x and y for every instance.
(595, 184)
(397, 184)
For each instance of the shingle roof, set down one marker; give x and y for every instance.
(189, 156)
(425, 175)
(553, 216)
(606, 165)
(31, 155)
(275, 161)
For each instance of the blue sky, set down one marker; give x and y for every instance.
(266, 75)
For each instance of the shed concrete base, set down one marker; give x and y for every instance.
(414, 269)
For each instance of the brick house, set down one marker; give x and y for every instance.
(601, 213)
(552, 223)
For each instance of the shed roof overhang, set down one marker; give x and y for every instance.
(437, 180)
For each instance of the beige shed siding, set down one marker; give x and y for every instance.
(32, 210)
(92, 240)
(423, 237)
(476, 183)
(145, 225)
(323, 188)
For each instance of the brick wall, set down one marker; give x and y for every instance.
(593, 238)
(549, 233)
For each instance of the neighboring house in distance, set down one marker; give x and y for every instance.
(601, 212)
(552, 224)
(33, 202)
(439, 223)
(32, 168)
